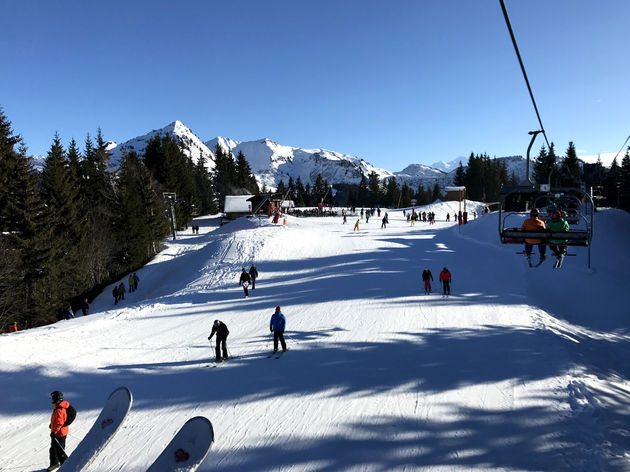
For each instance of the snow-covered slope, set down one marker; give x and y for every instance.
(193, 146)
(519, 370)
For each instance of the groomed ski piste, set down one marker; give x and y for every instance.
(519, 369)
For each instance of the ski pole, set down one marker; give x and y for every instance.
(60, 446)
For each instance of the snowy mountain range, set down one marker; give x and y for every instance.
(271, 162)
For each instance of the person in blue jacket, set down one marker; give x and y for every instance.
(276, 326)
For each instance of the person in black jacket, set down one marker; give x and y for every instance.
(244, 281)
(253, 273)
(221, 330)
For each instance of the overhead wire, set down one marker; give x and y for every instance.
(518, 55)
(622, 146)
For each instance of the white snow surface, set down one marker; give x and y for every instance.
(519, 370)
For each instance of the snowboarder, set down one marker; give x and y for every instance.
(253, 274)
(427, 276)
(558, 246)
(14, 328)
(85, 307)
(221, 330)
(244, 281)
(534, 224)
(58, 431)
(277, 326)
(356, 226)
(445, 277)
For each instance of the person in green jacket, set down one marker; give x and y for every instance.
(556, 225)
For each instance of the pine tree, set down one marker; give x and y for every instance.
(64, 227)
(460, 176)
(281, 188)
(20, 249)
(474, 178)
(624, 199)
(244, 177)
(141, 211)
(99, 201)
(437, 192)
(545, 167)
(393, 195)
(570, 170)
(612, 184)
(300, 193)
(406, 195)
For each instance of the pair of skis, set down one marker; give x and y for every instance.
(184, 453)
(276, 355)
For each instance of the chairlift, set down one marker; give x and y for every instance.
(575, 204)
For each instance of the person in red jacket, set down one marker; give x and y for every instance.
(445, 277)
(58, 431)
(14, 328)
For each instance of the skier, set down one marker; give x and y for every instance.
(427, 276)
(558, 246)
(131, 283)
(244, 281)
(68, 313)
(121, 291)
(85, 307)
(115, 294)
(345, 220)
(136, 279)
(253, 273)
(385, 221)
(445, 277)
(448, 217)
(14, 328)
(356, 226)
(534, 224)
(221, 330)
(276, 326)
(58, 431)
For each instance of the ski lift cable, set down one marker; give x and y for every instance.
(518, 55)
(622, 146)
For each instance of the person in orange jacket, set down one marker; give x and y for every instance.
(533, 223)
(14, 328)
(58, 431)
(445, 277)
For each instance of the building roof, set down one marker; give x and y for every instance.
(237, 204)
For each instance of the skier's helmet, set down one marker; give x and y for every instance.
(556, 215)
(445, 269)
(56, 396)
(534, 212)
(277, 308)
(216, 323)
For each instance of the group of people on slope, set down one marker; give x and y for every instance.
(119, 290)
(248, 278)
(69, 313)
(445, 278)
(277, 326)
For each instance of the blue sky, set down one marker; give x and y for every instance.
(393, 82)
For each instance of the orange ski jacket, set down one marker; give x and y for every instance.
(58, 418)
